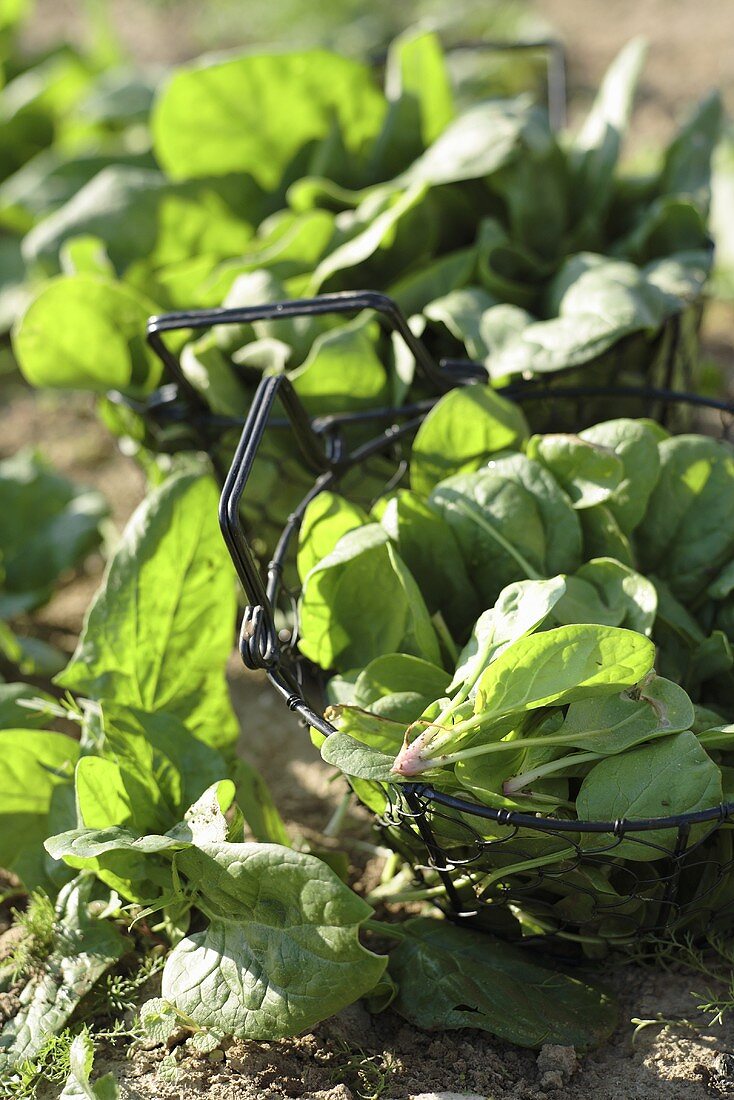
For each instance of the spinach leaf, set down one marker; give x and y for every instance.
(461, 432)
(360, 602)
(284, 931)
(33, 763)
(563, 665)
(618, 722)
(427, 545)
(635, 445)
(277, 107)
(586, 473)
(451, 977)
(597, 147)
(327, 517)
(160, 629)
(606, 592)
(113, 354)
(669, 777)
(54, 526)
(343, 371)
(687, 534)
(520, 609)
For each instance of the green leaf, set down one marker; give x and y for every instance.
(160, 629)
(14, 715)
(597, 147)
(426, 544)
(451, 977)
(432, 281)
(327, 517)
(687, 166)
(669, 777)
(418, 89)
(618, 722)
(55, 525)
(283, 936)
(33, 763)
(402, 225)
(520, 609)
(461, 432)
(360, 602)
(86, 332)
(588, 474)
(563, 665)
(606, 592)
(593, 302)
(163, 755)
(480, 141)
(688, 532)
(258, 807)
(635, 445)
(255, 113)
(462, 312)
(512, 522)
(84, 948)
(78, 1086)
(343, 372)
(355, 757)
(399, 674)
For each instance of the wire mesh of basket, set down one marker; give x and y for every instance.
(520, 875)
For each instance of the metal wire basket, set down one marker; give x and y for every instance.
(462, 851)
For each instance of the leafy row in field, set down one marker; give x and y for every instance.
(543, 624)
(279, 176)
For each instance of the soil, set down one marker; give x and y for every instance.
(355, 1055)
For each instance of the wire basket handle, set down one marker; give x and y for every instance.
(349, 301)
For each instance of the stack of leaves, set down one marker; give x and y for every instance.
(544, 624)
(282, 176)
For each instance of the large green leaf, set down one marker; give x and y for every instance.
(461, 432)
(254, 113)
(283, 938)
(144, 218)
(687, 534)
(418, 89)
(362, 601)
(33, 763)
(451, 977)
(563, 665)
(86, 332)
(667, 778)
(597, 147)
(160, 629)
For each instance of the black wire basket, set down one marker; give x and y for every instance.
(460, 850)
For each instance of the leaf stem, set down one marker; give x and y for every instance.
(381, 928)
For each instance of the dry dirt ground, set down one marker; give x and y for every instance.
(692, 48)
